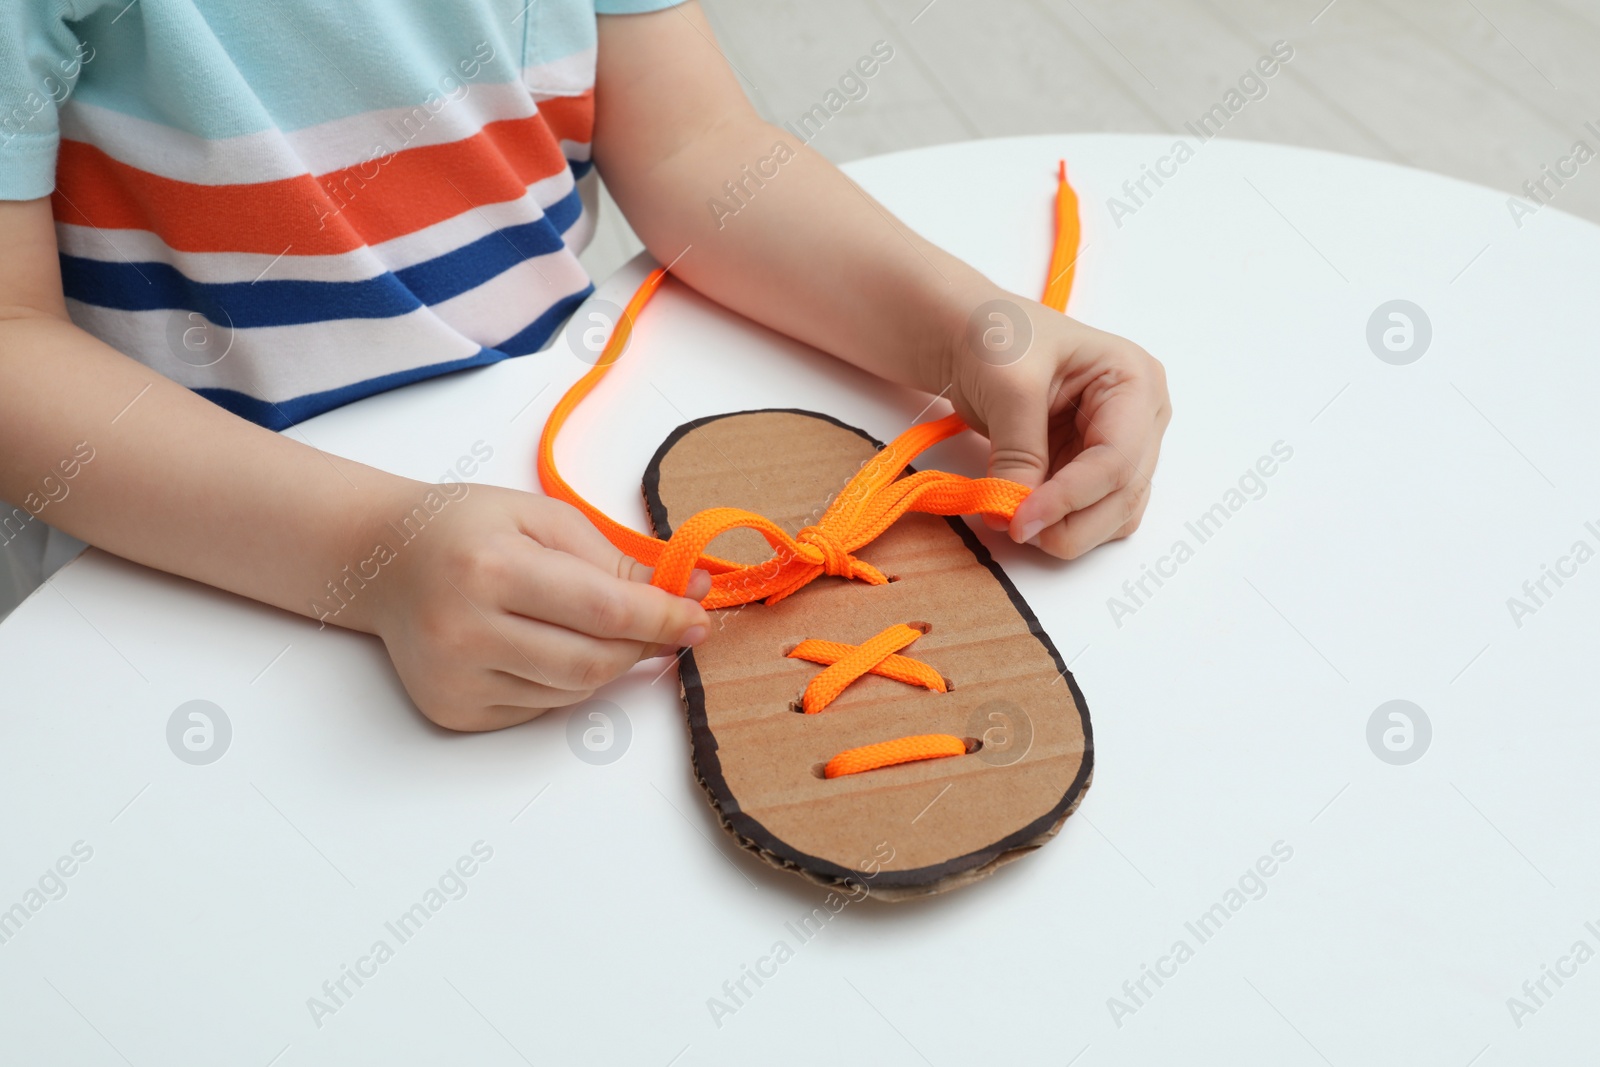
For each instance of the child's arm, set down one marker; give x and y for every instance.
(811, 255)
(506, 604)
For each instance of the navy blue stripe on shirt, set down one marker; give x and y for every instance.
(281, 414)
(156, 286)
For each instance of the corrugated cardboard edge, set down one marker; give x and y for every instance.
(754, 837)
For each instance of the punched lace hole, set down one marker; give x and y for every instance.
(820, 770)
(924, 628)
(973, 744)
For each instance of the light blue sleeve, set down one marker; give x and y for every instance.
(40, 61)
(632, 7)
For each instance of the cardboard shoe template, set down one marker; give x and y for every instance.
(918, 827)
(903, 733)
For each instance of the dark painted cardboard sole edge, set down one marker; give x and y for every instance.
(752, 835)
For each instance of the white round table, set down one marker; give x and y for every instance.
(1275, 864)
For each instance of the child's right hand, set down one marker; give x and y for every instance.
(507, 604)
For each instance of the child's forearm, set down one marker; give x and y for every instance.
(109, 451)
(800, 247)
(810, 254)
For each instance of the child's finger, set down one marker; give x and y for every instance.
(1019, 440)
(560, 658)
(699, 583)
(1103, 468)
(1019, 446)
(566, 529)
(512, 691)
(510, 700)
(517, 700)
(571, 592)
(1106, 520)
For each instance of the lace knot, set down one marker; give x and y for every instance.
(832, 557)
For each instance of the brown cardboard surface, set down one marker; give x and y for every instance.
(900, 831)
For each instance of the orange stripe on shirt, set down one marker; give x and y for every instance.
(341, 211)
(571, 118)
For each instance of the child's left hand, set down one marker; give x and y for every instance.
(1075, 412)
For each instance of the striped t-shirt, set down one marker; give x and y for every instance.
(287, 205)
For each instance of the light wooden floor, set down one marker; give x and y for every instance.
(1490, 91)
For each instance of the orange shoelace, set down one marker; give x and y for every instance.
(877, 655)
(868, 505)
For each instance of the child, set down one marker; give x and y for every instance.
(220, 218)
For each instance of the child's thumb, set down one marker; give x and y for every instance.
(1019, 438)
(1019, 443)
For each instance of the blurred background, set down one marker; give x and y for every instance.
(1489, 91)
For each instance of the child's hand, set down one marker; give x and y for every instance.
(508, 604)
(1076, 413)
